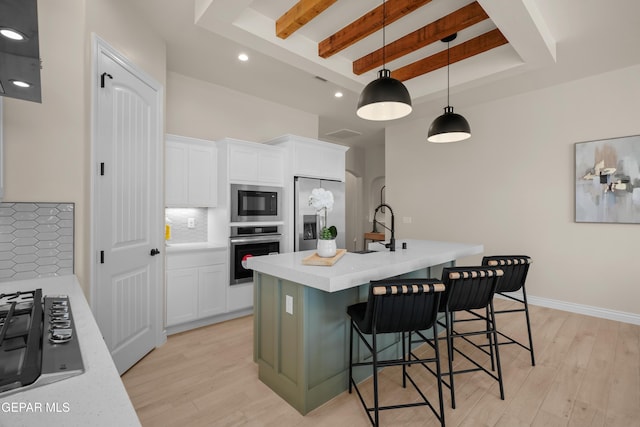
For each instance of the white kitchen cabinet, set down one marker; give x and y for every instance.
(182, 295)
(196, 285)
(212, 286)
(270, 167)
(313, 158)
(254, 163)
(191, 172)
(243, 163)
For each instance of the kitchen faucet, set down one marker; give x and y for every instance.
(392, 243)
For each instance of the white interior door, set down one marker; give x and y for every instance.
(128, 213)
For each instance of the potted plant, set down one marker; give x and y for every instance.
(322, 201)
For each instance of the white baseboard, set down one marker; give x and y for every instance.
(587, 310)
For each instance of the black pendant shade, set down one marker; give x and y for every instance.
(449, 127)
(384, 99)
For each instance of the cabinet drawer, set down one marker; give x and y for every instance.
(196, 258)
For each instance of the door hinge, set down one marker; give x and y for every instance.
(102, 76)
(101, 257)
(102, 169)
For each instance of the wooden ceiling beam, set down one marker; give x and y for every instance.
(299, 14)
(475, 46)
(456, 21)
(367, 24)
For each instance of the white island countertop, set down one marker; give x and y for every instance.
(95, 398)
(355, 269)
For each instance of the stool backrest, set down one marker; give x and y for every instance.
(403, 305)
(515, 269)
(469, 288)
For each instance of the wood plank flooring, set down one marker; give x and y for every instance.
(587, 374)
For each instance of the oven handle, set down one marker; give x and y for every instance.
(270, 238)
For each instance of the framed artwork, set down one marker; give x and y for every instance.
(608, 180)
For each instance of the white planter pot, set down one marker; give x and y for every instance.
(327, 248)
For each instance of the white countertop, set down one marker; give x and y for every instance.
(187, 247)
(95, 398)
(356, 269)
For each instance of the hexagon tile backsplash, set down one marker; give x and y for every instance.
(36, 240)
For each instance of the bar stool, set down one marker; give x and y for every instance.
(515, 269)
(397, 306)
(468, 289)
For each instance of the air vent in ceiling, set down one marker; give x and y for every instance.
(343, 134)
(321, 79)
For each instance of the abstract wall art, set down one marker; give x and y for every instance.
(608, 180)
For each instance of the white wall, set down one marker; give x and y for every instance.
(511, 187)
(203, 110)
(48, 145)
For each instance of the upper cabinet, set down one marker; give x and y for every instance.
(313, 158)
(191, 178)
(254, 163)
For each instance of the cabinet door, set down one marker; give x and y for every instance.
(202, 178)
(271, 168)
(176, 177)
(212, 290)
(182, 295)
(319, 162)
(243, 164)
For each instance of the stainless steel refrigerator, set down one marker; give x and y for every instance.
(306, 224)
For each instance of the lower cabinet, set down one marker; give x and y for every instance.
(182, 295)
(196, 285)
(212, 290)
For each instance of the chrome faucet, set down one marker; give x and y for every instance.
(392, 243)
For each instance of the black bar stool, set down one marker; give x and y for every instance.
(515, 269)
(468, 289)
(397, 306)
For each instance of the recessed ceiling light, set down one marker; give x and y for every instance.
(338, 94)
(20, 83)
(243, 57)
(12, 34)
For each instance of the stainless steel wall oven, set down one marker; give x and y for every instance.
(251, 241)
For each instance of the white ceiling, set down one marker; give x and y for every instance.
(550, 42)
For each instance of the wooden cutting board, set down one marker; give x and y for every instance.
(315, 259)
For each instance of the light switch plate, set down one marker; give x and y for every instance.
(288, 303)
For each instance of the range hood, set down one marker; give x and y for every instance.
(20, 59)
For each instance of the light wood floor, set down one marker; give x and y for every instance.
(587, 374)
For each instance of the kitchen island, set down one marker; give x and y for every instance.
(301, 329)
(97, 397)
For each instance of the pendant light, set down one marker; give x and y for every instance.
(385, 98)
(449, 127)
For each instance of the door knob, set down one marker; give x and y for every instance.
(155, 252)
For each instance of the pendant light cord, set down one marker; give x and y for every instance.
(384, 41)
(448, 60)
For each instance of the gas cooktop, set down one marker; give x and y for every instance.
(38, 343)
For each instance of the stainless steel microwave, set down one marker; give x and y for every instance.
(255, 203)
